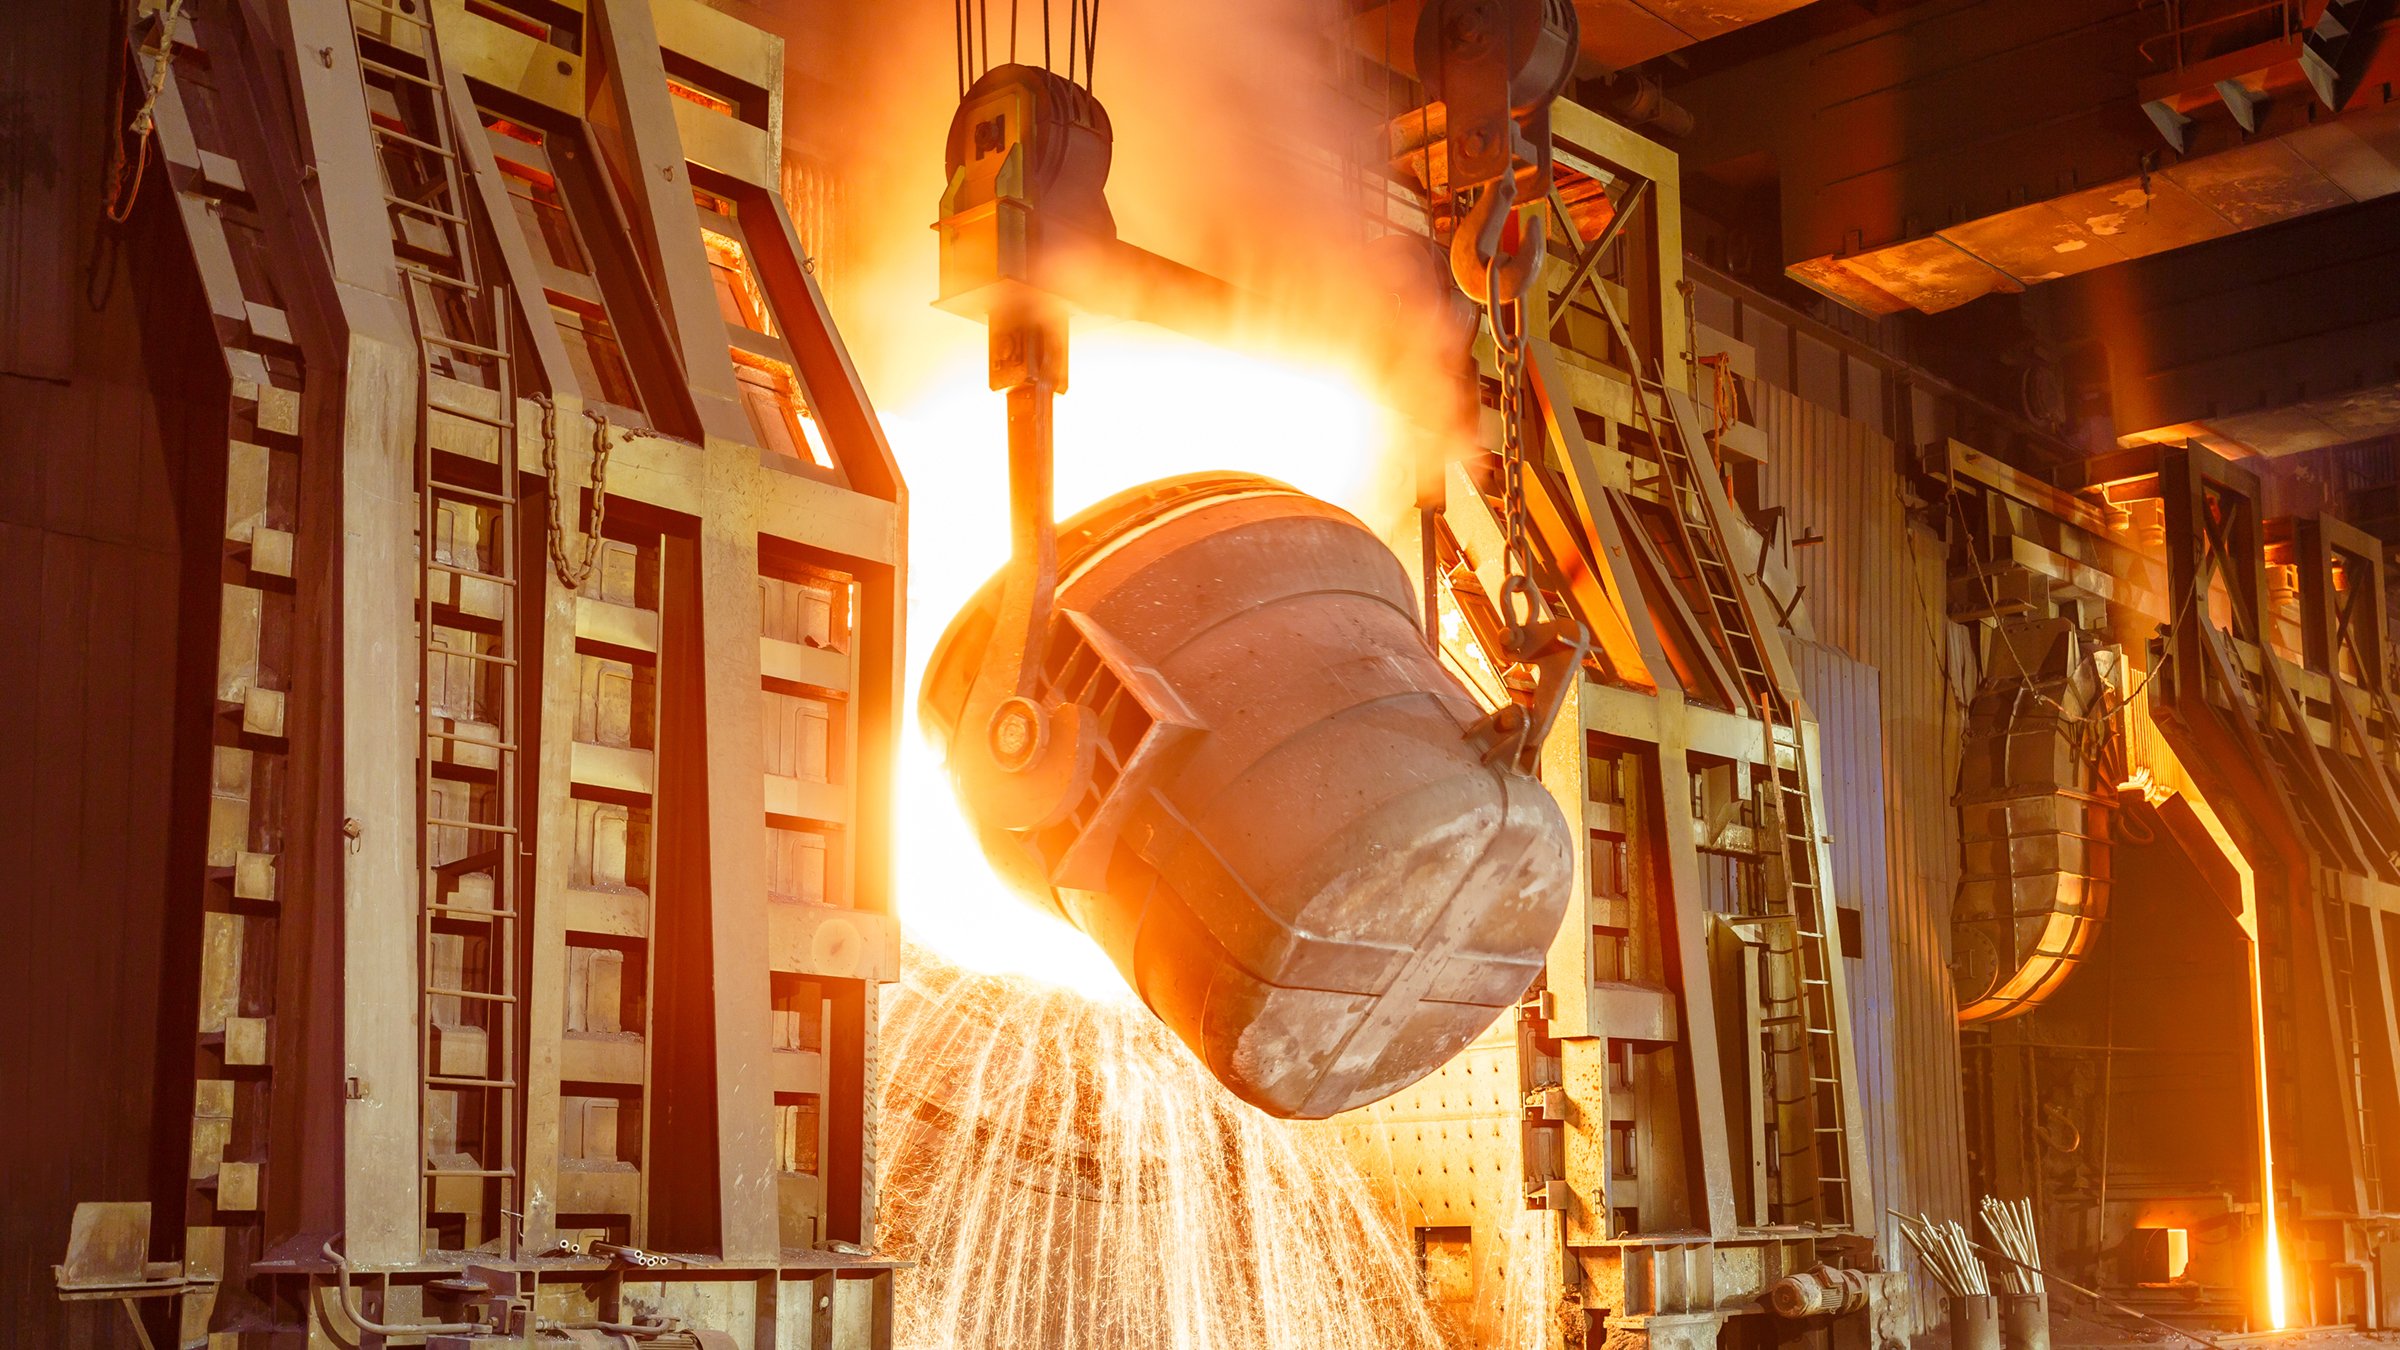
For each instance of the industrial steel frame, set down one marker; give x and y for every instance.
(546, 889)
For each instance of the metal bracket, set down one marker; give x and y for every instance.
(1512, 736)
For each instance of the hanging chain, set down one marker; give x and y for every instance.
(1506, 312)
(572, 573)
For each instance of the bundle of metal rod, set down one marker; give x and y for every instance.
(2011, 1227)
(1949, 1253)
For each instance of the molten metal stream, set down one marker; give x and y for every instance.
(1065, 1175)
(2278, 1315)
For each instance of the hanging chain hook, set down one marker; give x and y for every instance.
(1487, 270)
(1505, 275)
(573, 571)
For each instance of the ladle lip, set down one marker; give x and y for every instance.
(1081, 538)
(1112, 518)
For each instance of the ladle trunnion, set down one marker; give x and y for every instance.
(1278, 822)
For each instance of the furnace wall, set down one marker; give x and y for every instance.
(89, 578)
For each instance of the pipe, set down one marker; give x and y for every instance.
(1648, 105)
(350, 1310)
(1822, 1291)
(2034, 803)
(640, 1331)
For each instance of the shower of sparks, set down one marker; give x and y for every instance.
(1065, 1175)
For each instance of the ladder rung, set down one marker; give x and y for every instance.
(422, 209)
(379, 129)
(453, 569)
(478, 995)
(487, 658)
(380, 68)
(462, 491)
(472, 911)
(437, 278)
(462, 345)
(444, 822)
(461, 738)
(486, 1172)
(452, 1080)
(480, 419)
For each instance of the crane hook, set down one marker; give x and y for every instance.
(1488, 274)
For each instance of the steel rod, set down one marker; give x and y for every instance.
(2094, 1295)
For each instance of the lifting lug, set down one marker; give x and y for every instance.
(1512, 736)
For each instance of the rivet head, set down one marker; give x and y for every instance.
(1018, 730)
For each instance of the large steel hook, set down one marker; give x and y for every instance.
(1489, 275)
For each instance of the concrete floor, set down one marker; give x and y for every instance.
(2076, 1326)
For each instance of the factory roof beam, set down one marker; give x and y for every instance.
(1944, 152)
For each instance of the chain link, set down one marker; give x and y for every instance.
(1507, 316)
(572, 573)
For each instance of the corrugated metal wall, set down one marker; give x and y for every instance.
(89, 578)
(1846, 697)
(1875, 589)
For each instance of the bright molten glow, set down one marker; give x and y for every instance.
(2278, 1316)
(1143, 404)
(2160, 775)
(2271, 1238)
(1064, 1174)
(1061, 1170)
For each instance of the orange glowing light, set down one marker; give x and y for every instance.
(691, 93)
(2278, 1315)
(1142, 404)
(2160, 775)
(2143, 781)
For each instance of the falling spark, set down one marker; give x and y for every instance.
(1065, 1175)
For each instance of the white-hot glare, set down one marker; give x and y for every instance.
(1142, 404)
